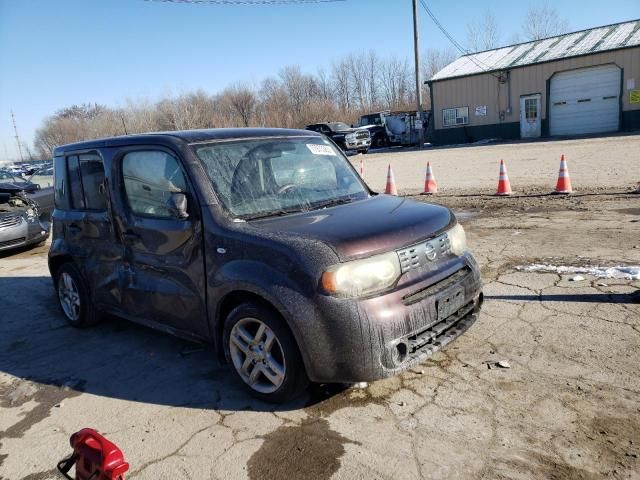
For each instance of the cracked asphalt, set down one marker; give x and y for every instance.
(567, 408)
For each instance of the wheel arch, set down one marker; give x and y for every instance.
(55, 262)
(236, 297)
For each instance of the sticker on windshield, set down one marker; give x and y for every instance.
(321, 149)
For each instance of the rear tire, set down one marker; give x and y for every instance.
(73, 297)
(380, 142)
(263, 353)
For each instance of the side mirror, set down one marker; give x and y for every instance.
(177, 206)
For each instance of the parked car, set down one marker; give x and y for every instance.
(264, 242)
(11, 183)
(20, 222)
(43, 196)
(344, 136)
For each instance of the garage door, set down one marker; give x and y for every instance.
(585, 101)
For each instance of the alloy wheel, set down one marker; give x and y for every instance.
(69, 296)
(257, 355)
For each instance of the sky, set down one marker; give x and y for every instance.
(56, 53)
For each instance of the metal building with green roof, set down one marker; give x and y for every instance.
(585, 82)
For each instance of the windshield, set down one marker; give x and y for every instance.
(370, 120)
(264, 177)
(337, 126)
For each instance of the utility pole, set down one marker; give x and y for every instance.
(416, 50)
(15, 129)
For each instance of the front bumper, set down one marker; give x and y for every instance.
(23, 234)
(356, 340)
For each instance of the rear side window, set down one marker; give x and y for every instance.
(79, 183)
(60, 193)
(150, 177)
(92, 174)
(75, 183)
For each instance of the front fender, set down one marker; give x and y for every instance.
(290, 294)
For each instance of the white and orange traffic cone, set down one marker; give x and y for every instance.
(391, 189)
(430, 185)
(564, 182)
(361, 168)
(504, 186)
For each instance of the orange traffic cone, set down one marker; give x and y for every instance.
(390, 189)
(504, 186)
(564, 182)
(361, 168)
(430, 185)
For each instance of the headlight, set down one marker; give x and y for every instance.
(31, 215)
(457, 240)
(362, 277)
(350, 136)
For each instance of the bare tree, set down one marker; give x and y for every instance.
(435, 60)
(239, 102)
(324, 85)
(340, 75)
(483, 33)
(395, 80)
(543, 21)
(373, 79)
(354, 84)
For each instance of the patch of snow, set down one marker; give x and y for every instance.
(622, 272)
(577, 278)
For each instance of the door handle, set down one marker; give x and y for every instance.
(130, 236)
(74, 228)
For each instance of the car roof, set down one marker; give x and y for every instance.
(183, 136)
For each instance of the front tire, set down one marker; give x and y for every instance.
(263, 353)
(73, 297)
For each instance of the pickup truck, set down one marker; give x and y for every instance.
(344, 136)
(375, 123)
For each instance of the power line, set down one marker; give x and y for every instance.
(247, 2)
(478, 63)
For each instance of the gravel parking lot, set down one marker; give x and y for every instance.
(610, 162)
(568, 406)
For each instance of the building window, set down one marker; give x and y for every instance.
(455, 116)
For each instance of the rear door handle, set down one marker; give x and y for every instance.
(130, 236)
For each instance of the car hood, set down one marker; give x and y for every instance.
(14, 187)
(377, 224)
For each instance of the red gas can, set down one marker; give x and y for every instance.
(95, 458)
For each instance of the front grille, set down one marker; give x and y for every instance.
(10, 221)
(362, 135)
(424, 252)
(15, 241)
(437, 334)
(437, 287)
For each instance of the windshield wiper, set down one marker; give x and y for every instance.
(281, 212)
(333, 201)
